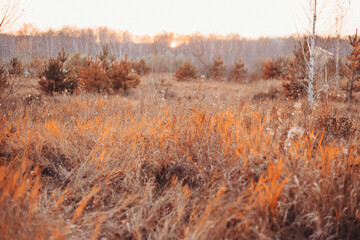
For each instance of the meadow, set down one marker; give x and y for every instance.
(179, 160)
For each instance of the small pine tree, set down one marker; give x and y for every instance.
(271, 70)
(103, 57)
(121, 77)
(3, 78)
(297, 66)
(238, 73)
(217, 70)
(296, 73)
(15, 67)
(54, 78)
(353, 67)
(141, 68)
(108, 76)
(93, 77)
(186, 71)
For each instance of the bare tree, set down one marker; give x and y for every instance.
(314, 59)
(311, 63)
(202, 50)
(10, 12)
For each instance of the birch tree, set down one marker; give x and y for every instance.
(311, 63)
(311, 32)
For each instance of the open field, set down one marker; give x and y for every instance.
(178, 160)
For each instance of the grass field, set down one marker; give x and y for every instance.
(178, 160)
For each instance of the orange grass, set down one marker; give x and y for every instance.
(93, 167)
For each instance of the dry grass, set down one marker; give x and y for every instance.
(200, 163)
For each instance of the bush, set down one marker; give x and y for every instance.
(3, 78)
(333, 125)
(217, 70)
(76, 62)
(297, 66)
(93, 77)
(294, 89)
(121, 76)
(141, 68)
(186, 71)
(35, 66)
(238, 73)
(55, 78)
(270, 70)
(15, 67)
(108, 76)
(274, 69)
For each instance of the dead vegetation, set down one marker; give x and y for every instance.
(206, 166)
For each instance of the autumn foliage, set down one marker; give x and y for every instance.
(187, 71)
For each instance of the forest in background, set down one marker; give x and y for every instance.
(164, 52)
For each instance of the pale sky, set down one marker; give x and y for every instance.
(248, 18)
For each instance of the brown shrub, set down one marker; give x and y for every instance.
(121, 77)
(102, 76)
(238, 73)
(140, 67)
(3, 78)
(293, 89)
(217, 70)
(274, 68)
(186, 71)
(297, 66)
(93, 77)
(334, 126)
(15, 67)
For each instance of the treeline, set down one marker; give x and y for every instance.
(164, 52)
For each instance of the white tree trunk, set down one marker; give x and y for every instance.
(337, 63)
(312, 59)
